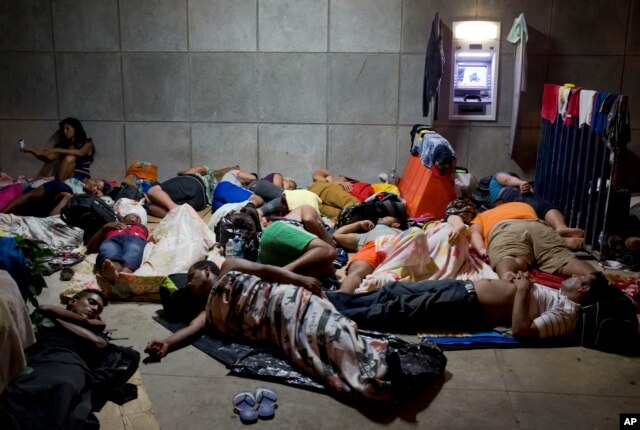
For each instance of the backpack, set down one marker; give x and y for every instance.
(89, 213)
(128, 191)
(244, 222)
(609, 325)
(377, 206)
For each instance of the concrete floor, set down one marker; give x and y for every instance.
(561, 388)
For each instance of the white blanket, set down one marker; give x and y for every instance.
(51, 230)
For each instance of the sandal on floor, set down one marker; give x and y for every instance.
(244, 404)
(266, 399)
(66, 274)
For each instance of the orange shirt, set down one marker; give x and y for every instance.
(512, 210)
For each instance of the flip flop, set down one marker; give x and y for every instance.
(266, 399)
(244, 404)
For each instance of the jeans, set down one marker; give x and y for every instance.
(124, 249)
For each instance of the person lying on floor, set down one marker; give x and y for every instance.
(440, 250)
(281, 181)
(392, 221)
(271, 193)
(514, 239)
(232, 188)
(299, 243)
(49, 198)
(286, 310)
(505, 187)
(56, 392)
(188, 187)
(332, 193)
(532, 310)
(348, 237)
(120, 246)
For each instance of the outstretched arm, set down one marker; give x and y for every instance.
(85, 149)
(271, 273)
(160, 348)
(43, 156)
(512, 181)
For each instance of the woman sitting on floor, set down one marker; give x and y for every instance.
(72, 154)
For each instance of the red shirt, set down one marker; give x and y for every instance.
(137, 230)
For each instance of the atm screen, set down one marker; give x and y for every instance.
(472, 77)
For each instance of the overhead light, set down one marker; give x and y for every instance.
(473, 54)
(476, 30)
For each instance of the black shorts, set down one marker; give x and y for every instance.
(187, 189)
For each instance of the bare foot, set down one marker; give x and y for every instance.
(573, 243)
(570, 232)
(109, 271)
(633, 243)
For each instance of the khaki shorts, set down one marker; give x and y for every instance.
(533, 241)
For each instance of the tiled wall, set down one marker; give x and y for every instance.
(287, 85)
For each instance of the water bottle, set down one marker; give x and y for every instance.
(21, 145)
(237, 246)
(393, 177)
(229, 250)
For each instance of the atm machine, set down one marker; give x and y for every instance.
(474, 84)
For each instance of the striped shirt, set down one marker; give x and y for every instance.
(552, 313)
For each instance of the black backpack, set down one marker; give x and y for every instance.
(378, 206)
(89, 213)
(245, 223)
(609, 325)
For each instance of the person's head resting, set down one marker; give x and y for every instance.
(390, 221)
(396, 210)
(201, 277)
(96, 187)
(289, 184)
(586, 289)
(88, 303)
(462, 207)
(132, 218)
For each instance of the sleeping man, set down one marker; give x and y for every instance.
(288, 311)
(533, 311)
(514, 239)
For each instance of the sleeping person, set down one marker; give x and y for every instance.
(288, 311)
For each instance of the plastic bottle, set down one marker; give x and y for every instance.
(229, 251)
(237, 246)
(393, 177)
(21, 145)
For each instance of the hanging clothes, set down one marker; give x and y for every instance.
(573, 107)
(434, 60)
(602, 106)
(518, 36)
(550, 102)
(586, 107)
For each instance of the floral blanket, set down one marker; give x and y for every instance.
(416, 255)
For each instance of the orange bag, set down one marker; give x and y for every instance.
(423, 191)
(143, 171)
